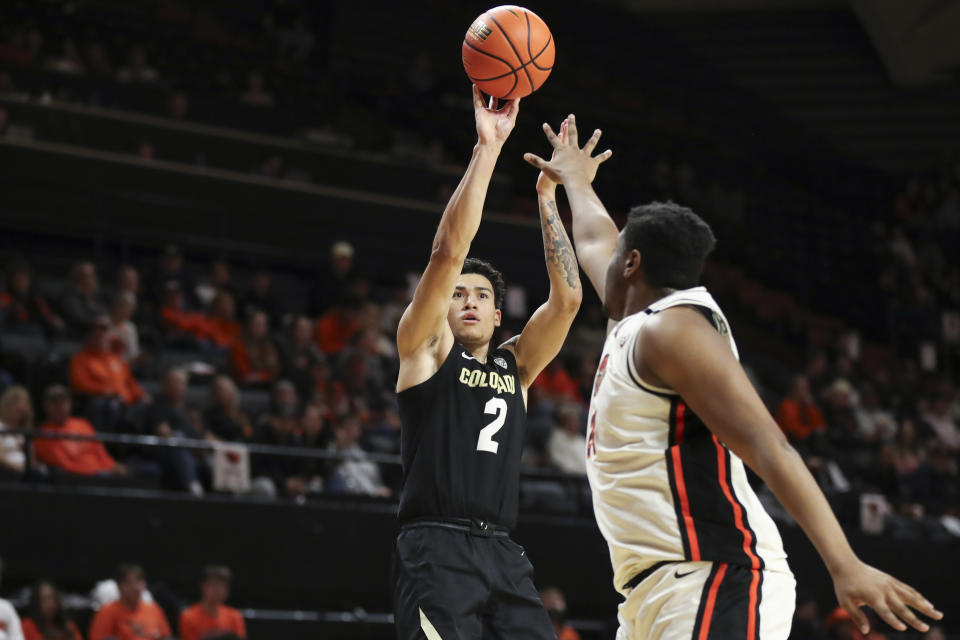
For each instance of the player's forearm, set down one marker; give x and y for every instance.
(561, 260)
(594, 233)
(461, 218)
(785, 473)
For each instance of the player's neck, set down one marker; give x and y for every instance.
(478, 351)
(639, 299)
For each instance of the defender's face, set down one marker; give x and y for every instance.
(473, 315)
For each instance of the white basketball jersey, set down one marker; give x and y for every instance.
(664, 487)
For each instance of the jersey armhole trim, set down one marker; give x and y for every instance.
(635, 375)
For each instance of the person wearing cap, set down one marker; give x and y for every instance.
(82, 457)
(211, 617)
(333, 279)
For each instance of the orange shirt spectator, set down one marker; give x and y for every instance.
(221, 331)
(557, 383)
(196, 622)
(98, 371)
(117, 621)
(84, 457)
(255, 357)
(335, 329)
(797, 415)
(31, 632)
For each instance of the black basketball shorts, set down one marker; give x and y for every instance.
(451, 584)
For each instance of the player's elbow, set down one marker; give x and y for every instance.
(567, 300)
(447, 250)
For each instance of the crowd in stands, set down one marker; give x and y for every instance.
(124, 609)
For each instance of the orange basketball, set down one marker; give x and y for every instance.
(508, 52)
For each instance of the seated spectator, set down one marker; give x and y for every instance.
(9, 620)
(556, 606)
(256, 95)
(797, 415)
(181, 328)
(556, 384)
(104, 376)
(124, 338)
(81, 303)
(130, 618)
(16, 413)
(939, 420)
(223, 419)
(82, 457)
(875, 424)
(300, 354)
(255, 358)
(279, 427)
(906, 460)
(211, 618)
(333, 279)
(168, 416)
(172, 269)
(336, 328)
(128, 281)
(353, 472)
(217, 280)
(47, 619)
(313, 435)
(137, 69)
(261, 295)
(220, 325)
(567, 442)
(24, 309)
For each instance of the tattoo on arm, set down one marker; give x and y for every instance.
(557, 247)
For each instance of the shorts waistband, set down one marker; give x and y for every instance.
(643, 575)
(480, 528)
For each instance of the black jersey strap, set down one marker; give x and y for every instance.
(480, 528)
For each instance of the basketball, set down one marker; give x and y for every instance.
(508, 52)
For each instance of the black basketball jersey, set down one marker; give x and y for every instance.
(462, 438)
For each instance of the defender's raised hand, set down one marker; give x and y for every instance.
(494, 125)
(892, 600)
(569, 161)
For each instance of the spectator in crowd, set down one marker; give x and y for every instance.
(23, 308)
(10, 627)
(339, 325)
(220, 325)
(168, 416)
(171, 268)
(211, 617)
(940, 421)
(333, 280)
(797, 414)
(81, 457)
(279, 427)
(115, 397)
(223, 419)
(905, 460)
(255, 358)
(128, 281)
(137, 69)
(806, 620)
(300, 354)
(218, 279)
(567, 442)
(556, 606)
(353, 472)
(81, 303)
(261, 295)
(130, 618)
(556, 385)
(48, 620)
(313, 434)
(16, 414)
(181, 328)
(256, 95)
(124, 338)
(875, 424)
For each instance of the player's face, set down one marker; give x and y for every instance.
(473, 315)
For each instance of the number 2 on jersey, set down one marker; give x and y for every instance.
(486, 442)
